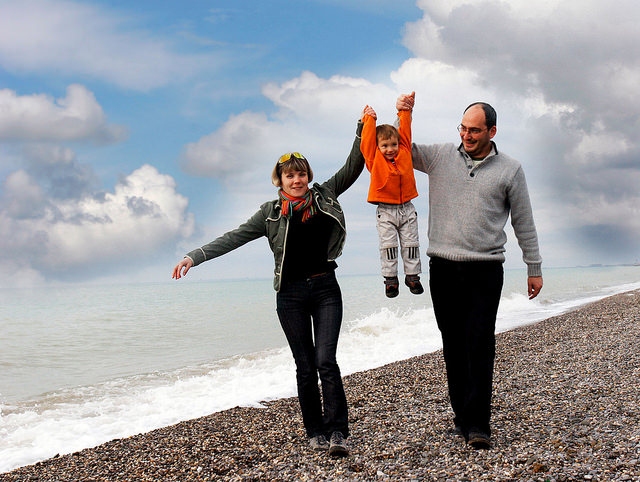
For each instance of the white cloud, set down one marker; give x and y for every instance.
(232, 148)
(570, 52)
(50, 154)
(331, 101)
(315, 116)
(23, 197)
(442, 92)
(57, 171)
(73, 38)
(596, 148)
(38, 117)
(18, 275)
(441, 9)
(143, 214)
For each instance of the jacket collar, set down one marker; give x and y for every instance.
(494, 151)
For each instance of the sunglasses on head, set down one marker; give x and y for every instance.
(289, 155)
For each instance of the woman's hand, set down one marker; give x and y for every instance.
(368, 110)
(185, 264)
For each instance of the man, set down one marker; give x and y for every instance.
(472, 190)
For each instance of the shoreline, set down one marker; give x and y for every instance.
(565, 406)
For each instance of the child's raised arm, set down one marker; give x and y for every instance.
(368, 144)
(405, 104)
(404, 122)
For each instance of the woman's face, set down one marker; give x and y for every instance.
(295, 183)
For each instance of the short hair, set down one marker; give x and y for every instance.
(294, 163)
(490, 115)
(386, 131)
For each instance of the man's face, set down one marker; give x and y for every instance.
(476, 138)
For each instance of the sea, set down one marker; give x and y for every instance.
(84, 364)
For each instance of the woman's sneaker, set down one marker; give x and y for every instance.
(413, 282)
(338, 445)
(391, 285)
(319, 443)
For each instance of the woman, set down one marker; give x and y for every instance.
(306, 231)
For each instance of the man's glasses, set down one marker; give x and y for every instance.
(289, 155)
(471, 130)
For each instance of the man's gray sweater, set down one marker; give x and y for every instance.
(469, 205)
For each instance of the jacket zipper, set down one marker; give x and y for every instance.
(284, 249)
(286, 233)
(332, 216)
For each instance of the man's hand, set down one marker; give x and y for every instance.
(534, 285)
(406, 102)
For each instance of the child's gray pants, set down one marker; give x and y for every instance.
(398, 221)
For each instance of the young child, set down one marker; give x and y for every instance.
(387, 154)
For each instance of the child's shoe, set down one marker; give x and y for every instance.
(391, 285)
(413, 282)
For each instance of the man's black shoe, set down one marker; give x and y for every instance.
(479, 440)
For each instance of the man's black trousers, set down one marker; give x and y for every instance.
(465, 299)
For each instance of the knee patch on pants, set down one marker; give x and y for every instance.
(413, 252)
(390, 253)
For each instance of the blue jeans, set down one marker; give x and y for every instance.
(310, 312)
(465, 298)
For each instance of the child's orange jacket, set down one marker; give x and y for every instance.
(391, 182)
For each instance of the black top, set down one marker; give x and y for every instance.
(307, 246)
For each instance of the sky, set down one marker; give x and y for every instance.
(133, 132)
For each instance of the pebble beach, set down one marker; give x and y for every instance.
(566, 406)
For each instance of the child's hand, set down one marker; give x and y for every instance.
(406, 102)
(368, 110)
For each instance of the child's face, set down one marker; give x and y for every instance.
(295, 183)
(388, 147)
